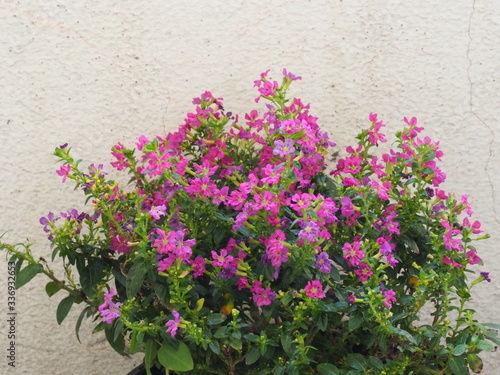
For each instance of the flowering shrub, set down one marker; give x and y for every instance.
(232, 250)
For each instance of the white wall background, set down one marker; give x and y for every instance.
(92, 73)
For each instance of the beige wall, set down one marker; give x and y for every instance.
(92, 73)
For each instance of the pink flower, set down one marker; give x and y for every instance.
(64, 172)
(472, 256)
(262, 296)
(364, 271)
(242, 283)
(389, 297)
(276, 250)
(158, 211)
(198, 265)
(173, 324)
(353, 253)
(447, 260)
(314, 289)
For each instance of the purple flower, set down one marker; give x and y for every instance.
(293, 77)
(109, 310)
(323, 262)
(283, 148)
(486, 276)
(47, 221)
(309, 230)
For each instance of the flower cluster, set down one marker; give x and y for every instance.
(265, 260)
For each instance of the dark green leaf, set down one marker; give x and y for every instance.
(86, 311)
(376, 363)
(355, 321)
(214, 346)
(214, 319)
(402, 332)
(236, 344)
(64, 307)
(457, 366)
(485, 345)
(286, 341)
(51, 288)
(117, 343)
(356, 361)
(27, 273)
(135, 278)
(252, 356)
(460, 349)
(150, 350)
(176, 359)
(328, 369)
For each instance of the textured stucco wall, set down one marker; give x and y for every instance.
(92, 73)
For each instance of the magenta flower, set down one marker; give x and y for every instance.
(64, 172)
(448, 260)
(173, 324)
(262, 296)
(364, 271)
(472, 256)
(198, 265)
(276, 250)
(353, 253)
(389, 297)
(347, 208)
(314, 289)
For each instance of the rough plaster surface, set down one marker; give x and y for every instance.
(92, 73)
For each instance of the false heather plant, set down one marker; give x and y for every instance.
(233, 250)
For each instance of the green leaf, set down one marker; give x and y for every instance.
(236, 344)
(286, 341)
(117, 343)
(214, 319)
(135, 278)
(252, 356)
(64, 307)
(150, 351)
(376, 363)
(86, 311)
(176, 359)
(27, 273)
(355, 321)
(51, 288)
(402, 332)
(485, 345)
(215, 347)
(492, 325)
(457, 366)
(328, 369)
(493, 336)
(475, 363)
(356, 361)
(460, 349)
